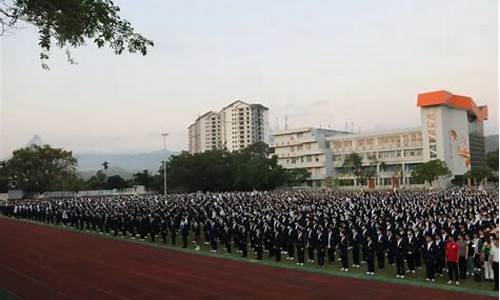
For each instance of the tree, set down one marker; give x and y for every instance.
(4, 177)
(144, 178)
(430, 171)
(98, 181)
(105, 165)
(492, 160)
(73, 23)
(478, 174)
(354, 164)
(219, 170)
(40, 168)
(297, 177)
(116, 182)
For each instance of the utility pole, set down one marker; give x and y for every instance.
(164, 135)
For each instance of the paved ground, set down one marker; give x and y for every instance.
(38, 262)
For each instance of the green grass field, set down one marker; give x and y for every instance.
(385, 275)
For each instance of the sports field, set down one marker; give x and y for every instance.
(40, 262)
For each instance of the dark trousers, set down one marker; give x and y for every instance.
(410, 260)
(321, 256)
(291, 250)
(277, 253)
(331, 255)
(439, 265)
(310, 251)
(259, 252)
(390, 257)
(370, 261)
(429, 268)
(355, 255)
(244, 250)
(453, 271)
(380, 259)
(462, 267)
(345, 259)
(418, 259)
(400, 265)
(300, 254)
(495, 274)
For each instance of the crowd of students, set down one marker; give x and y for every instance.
(452, 231)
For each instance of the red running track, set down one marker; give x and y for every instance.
(38, 262)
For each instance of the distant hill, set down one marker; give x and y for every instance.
(121, 162)
(491, 142)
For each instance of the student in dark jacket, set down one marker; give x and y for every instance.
(381, 247)
(400, 252)
(343, 245)
(258, 240)
(301, 245)
(356, 246)
(311, 244)
(440, 251)
(320, 246)
(330, 245)
(429, 254)
(412, 249)
(370, 249)
(389, 245)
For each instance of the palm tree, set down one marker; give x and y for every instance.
(105, 165)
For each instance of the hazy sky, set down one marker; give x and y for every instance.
(318, 62)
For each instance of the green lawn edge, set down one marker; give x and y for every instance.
(282, 265)
(6, 295)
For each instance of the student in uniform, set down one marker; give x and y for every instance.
(301, 245)
(330, 245)
(258, 244)
(356, 245)
(429, 254)
(184, 232)
(412, 249)
(320, 246)
(196, 235)
(400, 252)
(311, 241)
(440, 255)
(343, 246)
(370, 255)
(381, 245)
(494, 260)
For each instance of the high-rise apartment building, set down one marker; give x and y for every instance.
(234, 127)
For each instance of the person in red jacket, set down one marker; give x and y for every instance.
(452, 257)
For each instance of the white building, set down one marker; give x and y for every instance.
(205, 133)
(451, 130)
(391, 155)
(305, 148)
(235, 127)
